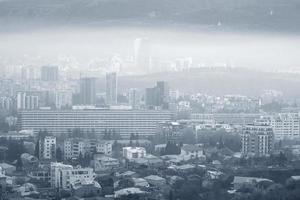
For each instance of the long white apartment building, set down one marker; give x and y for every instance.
(63, 176)
(226, 118)
(124, 122)
(73, 147)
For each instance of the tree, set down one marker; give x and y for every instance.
(107, 135)
(59, 155)
(19, 164)
(132, 137)
(14, 149)
(116, 149)
(92, 134)
(188, 136)
(37, 149)
(77, 133)
(171, 149)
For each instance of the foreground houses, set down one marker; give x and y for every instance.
(104, 163)
(63, 176)
(240, 181)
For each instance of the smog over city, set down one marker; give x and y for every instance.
(150, 99)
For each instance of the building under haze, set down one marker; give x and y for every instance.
(63, 99)
(157, 96)
(286, 126)
(29, 73)
(87, 94)
(142, 57)
(27, 101)
(49, 73)
(134, 98)
(123, 122)
(111, 88)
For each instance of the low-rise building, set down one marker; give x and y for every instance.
(63, 176)
(104, 163)
(7, 169)
(86, 189)
(76, 146)
(155, 180)
(191, 151)
(134, 152)
(240, 181)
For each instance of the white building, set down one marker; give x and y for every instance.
(26, 101)
(190, 151)
(74, 147)
(286, 126)
(63, 176)
(184, 106)
(47, 147)
(134, 152)
(63, 98)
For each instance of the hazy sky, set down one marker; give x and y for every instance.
(253, 50)
(261, 34)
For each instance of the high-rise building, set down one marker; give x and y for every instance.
(27, 101)
(142, 57)
(88, 91)
(158, 96)
(163, 92)
(111, 88)
(134, 98)
(47, 147)
(123, 122)
(63, 99)
(29, 73)
(257, 140)
(49, 73)
(6, 103)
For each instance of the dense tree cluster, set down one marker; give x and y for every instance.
(171, 149)
(220, 139)
(111, 134)
(11, 150)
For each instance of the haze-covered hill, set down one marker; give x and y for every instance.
(280, 15)
(218, 81)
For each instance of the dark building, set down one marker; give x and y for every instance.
(158, 96)
(88, 91)
(49, 73)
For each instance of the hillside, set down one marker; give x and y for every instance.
(218, 81)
